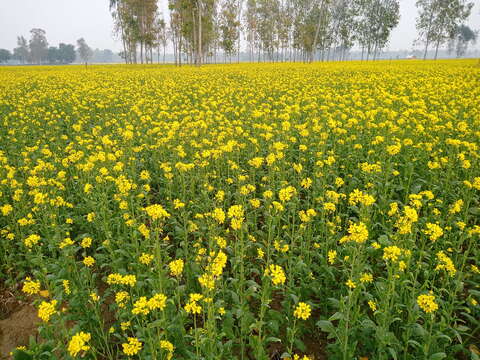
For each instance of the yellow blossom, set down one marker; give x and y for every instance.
(132, 347)
(78, 343)
(427, 303)
(47, 309)
(302, 311)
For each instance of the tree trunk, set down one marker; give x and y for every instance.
(239, 32)
(427, 40)
(317, 30)
(437, 45)
(199, 63)
(436, 49)
(426, 49)
(174, 48)
(180, 51)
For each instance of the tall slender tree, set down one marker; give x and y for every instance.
(161, 33)
(274, 30)
(460, 39)
(21, 52)
(438, 19)
(38, 45)
(229, 27)
(84, 51)
(134, 22)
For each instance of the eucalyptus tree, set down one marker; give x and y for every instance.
(251, 28)
(229, 26)
(271, 28)
(284, 27)
(38, 45)
(193, 25)
(460, 39)
(374, 23)
(124, 25)
(161, 36)
(438, 19)
(307, 25)
(387, 16)
(267, 11)
(342, 18)
(323, 37)
(134, 22)
(21, 52)
(84, 51)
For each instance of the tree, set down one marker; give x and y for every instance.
(323, 35)
(375, 23)
(161, 36)
(52, 55)
(229, 24)
(343, 16)
(276, 29)
(38, 46)
(21, 53)
(251, 24)
(267, 12)
(66, 53)
(104, 56)
(5, 55)
(84, 51)
(193, 29)
(135, 24)
(460, 39)
(438, 19)
(385, 16)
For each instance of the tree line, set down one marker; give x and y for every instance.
(199, 31)
(281, 30)
(37, 50)
(441, 22)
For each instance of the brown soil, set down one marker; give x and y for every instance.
(17, 328)
(18, 321)
(316, 346)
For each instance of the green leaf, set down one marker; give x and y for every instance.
(419, 330)
(274, 326)
(21, 355)
(300, 345)
(474, 211)
(335, 303)
(438, 356)
(337, 316)
(326, 326)
(154, 324)
(463, 328)
(383, 240)
(393, 353)
(272, 339)
(228, 325)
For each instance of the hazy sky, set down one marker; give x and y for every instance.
(68, 20)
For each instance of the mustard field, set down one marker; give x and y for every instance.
(252, 211)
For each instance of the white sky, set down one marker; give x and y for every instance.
(68, 20)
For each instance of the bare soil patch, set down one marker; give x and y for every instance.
(18, 321)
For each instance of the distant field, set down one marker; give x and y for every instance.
(252, 211)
